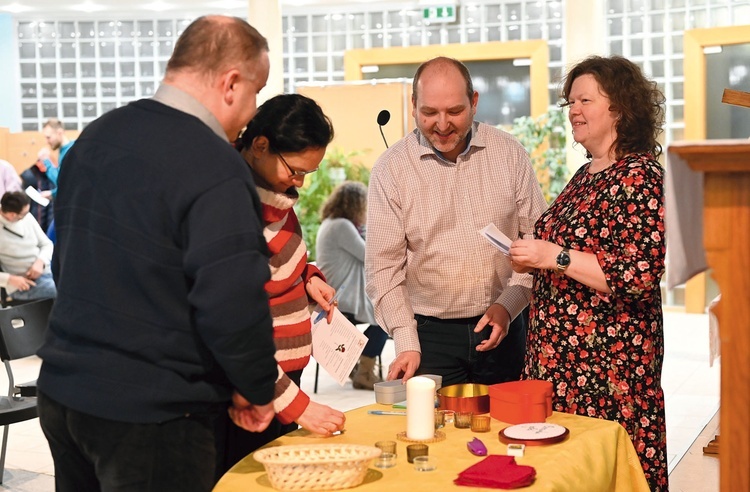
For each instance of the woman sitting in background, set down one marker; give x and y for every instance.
(285, 141)
(341, 257)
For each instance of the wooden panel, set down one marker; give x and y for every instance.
(22, 148)
(694, 41)
(353, 110)
(4, 134)
(726, 165)
(738, 98)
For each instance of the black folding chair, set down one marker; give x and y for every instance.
(22, 330)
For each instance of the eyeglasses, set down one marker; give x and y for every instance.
(293, 172)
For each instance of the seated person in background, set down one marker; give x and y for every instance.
(25, 251)
(36, 177)
(341, 258)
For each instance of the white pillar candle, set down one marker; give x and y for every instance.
(420, 408)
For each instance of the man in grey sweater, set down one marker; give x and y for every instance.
(25, 251)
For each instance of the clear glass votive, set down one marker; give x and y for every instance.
(480, 423)
(385, 460)
(462, 420)
(414, 450)
(425, 463)
(439, 419)
(388, 447)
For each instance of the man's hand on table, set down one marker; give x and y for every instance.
(253, 418)
(404, 365)
(322, 419)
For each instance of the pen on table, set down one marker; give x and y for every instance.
(322, 313)
(385, 412)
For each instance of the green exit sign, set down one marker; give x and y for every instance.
(439, 14)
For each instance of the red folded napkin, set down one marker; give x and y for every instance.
(497, 472)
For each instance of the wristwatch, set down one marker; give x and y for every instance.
(563, 260)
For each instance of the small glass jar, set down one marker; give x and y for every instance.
(439, 419)
(462, 420)
(425, 463)
(387, 447)
(480, 423)
(385, 460)
(414, 450)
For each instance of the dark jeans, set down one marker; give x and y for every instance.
(376, 337)
(93, 454)
(449, 349)
(234, 443)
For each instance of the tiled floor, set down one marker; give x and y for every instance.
(691, 388)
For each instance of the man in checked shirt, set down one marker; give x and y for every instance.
(449, 299)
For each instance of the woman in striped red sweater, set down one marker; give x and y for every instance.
(285, 141)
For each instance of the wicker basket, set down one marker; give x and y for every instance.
(316, 466)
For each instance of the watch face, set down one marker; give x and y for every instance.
(563, 259)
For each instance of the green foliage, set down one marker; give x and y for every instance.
(544, 140)
(336, 167)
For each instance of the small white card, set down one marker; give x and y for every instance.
(497, 238)
(36, 196)
(336, 346)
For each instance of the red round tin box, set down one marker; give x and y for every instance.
(521, 402)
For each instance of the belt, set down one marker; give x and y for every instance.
(452, 321)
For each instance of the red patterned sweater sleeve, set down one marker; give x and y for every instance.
(288, 299)
(634, 262)
(312, 271)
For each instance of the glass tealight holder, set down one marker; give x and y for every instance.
(439, 419)
(385, 460)
(387, 447)
(425, 463)
(414, 450)
(462, 420)
(480, 423)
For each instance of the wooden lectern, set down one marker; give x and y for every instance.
(726, 237)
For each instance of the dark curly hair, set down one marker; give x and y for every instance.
(638, 100)
(347, 201)
(291, 123)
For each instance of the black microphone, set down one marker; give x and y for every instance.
(383, 117)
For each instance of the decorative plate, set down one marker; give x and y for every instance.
(534, 434)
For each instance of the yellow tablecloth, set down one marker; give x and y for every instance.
(597, 456)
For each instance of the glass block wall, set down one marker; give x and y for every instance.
(79, 70)
(650, 32)
(315, 42)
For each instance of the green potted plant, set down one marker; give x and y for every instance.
(544, 138)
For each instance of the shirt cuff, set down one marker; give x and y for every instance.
(405, 339)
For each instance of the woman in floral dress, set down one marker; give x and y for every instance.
(596, 329)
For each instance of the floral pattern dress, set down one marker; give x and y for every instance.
(604, 352)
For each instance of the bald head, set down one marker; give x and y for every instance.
(440, 65)
(223, 63)
(211, 44)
